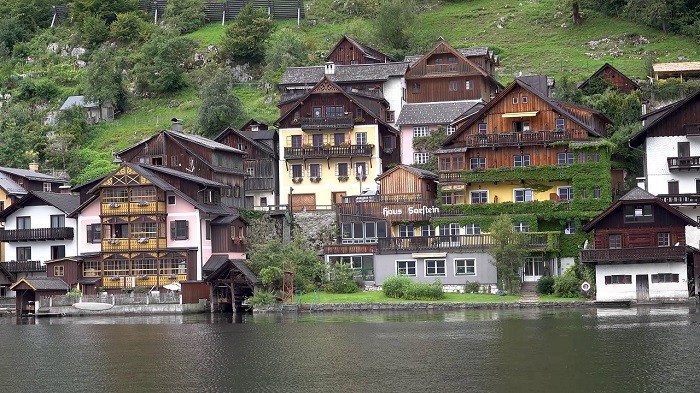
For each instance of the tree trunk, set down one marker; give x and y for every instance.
(575, 13)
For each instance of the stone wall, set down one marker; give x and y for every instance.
(318, 227)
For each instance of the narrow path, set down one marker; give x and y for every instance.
(528, 293)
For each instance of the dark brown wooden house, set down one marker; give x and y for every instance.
(349, 51)
(30, 290)
(230, 282)
(449, 74)
(615, 77)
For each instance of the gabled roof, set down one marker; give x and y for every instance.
(366, 50)
(667, 111)
(435, 112)
(600, 73)
(466, 52)
(637, 195)
(63, 202)
(78, 101)
(245, 136)
(10, 187)
(43, 284)
(358, 101)
(422, 173)
(217, 264)
(677, 67)
(254, 121)
(197, 139)
(559, 106)
(375, 72)
(32, 175)
(183, 175)
(457, 53)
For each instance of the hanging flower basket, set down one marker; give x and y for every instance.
(343, 178)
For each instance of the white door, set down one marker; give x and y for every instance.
(534, 268)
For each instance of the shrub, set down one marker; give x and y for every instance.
(566, 286)
(396, 287)
(262, 298)
(271, 277)
(472, 287)
(545, 285)
(424, 291)
(342, 280)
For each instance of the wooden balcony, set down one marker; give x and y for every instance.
(328, 151)
(535, 242)
(22, 266)
(370, 206)
(524, 138)
(680, 199)
(259, 184)
(133, 244)
(135, 207)
(148, 281)
(633, 255)
(350, 249)
(327, 123)
(452, 68)
(25, 235)
(683, 163)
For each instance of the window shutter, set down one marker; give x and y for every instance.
(336, 170)
(90, 235)
(187, 230)
(172, 230)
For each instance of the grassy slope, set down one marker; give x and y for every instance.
(536, 37)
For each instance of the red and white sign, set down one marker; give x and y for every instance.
(586, 286)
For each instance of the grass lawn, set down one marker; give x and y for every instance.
(378, 297)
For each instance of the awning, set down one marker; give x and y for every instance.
(428, 255)
(520, 114)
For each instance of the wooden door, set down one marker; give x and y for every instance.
(642, 287)
(338, 197)
(303, 202)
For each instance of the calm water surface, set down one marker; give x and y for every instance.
(604, 350)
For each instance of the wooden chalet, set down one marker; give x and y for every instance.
(193, 155)
(609, 73)
(331, 140)
(230, 282)
(449, 74)
(349, 51)
(261, 164)
(255, 125)
(30, 290)
(32, 180)
(640, 249)
(682, 70)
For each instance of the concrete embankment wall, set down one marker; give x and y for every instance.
(134, 309)
(418, 306)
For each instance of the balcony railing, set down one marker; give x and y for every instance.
(680, 163)
(500, 139)
(23, 266)
(328, 151)
(322, 123)
(680, 199)
(442, 68)
(25, 235)
(135, 244)
(535, 241)
(632, 254)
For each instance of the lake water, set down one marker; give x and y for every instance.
(645, 349)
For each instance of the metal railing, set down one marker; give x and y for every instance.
(117, 300)
(680, 199)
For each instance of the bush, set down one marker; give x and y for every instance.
(424, 291)
(566, 286)
(472, 287)
(545, 285)
(396, 287)
(262, 298)
(342, 286)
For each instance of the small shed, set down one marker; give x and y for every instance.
(30, 290)
(682, 70)
(95, 111)
(230, 281)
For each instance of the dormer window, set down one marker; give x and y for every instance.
(515, 100)
(639, 213)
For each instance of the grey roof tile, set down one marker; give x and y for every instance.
(343, 73)
(200, 140)
(47, 283)
(32, 175)
(63, 202)
(10, 186)
(77, 101)
(434, 112)
(637, 194)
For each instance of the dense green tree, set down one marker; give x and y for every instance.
(219, 107)
(286, 48)
(103, 79)
(30, 15)
(158, 66)
(244, 40)
(105, 9)
(655, 13)
(22, 137)
(93, 30)
(11, 32)
(508, 252)
(185, 15)
(294, 256)
(130, 28)
(396, 36)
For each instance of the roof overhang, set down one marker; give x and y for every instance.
(520, 114)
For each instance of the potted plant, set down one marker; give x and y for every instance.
(295, 121)
(307, 146)
(326, 146)
(343, 178)
(345, 144)
(359, 119)
(315, 179)
(297, 180)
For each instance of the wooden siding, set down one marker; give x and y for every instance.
(662, 219)
(437, 89)
(619, 80)
(322, 101)
(639, 237)
(504, 156)
(392, 211)
(222, 240)
(193, 291)
(403, 184)
(71, 271)
(683, 120)
(348, 53)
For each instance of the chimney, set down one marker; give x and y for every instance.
(330, 68)
(33, 166)
(177, 124)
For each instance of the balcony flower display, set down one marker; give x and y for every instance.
(297, 180)
(343, 178)
(315, 179)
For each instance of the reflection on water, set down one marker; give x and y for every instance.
(529, 350)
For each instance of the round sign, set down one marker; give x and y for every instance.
(586, 286)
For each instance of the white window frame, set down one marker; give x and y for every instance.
(526, 193)
(468, 84)
(472, 229)
(421, 157)
(360, 138)
(521, 226)
(515, 100)
(483, 128)
(420, 131)
(570, 228)
(663, 239)
(450, 129)
(465, 262)
(522, 160)
(481, 194)
(477, 163)
(435, 267)
(559, 124)
(427, 230)
(405, 232)
(47, 187)
(565, 158)
(524, 100)
(410, 264)
(567, 190)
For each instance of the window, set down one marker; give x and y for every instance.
(389, 142)
(452, 229)
(521, 226)
(596, 192)
(583, 194)
(663, 239)
(390, 116)
(94, 233)
(58, 252)
(434, 267)
(427, 231)
(338, 138)
(524, 100)
(250, 171)
(406, 268)
(47, 187)
(697, 187)
(317, 112)
(360, 138)
(296, 141)
(416, 87)
(58, 221)
(317, 140)
(297, 170)
(24, 253)
(179, 230)
(341, 169)
(618, 279)
(419, 131)
(453, 198)
(421, 158)
(639, 213)
(477, 197)
(522, 195)
(482, 128)
(207, 229)
(406, 230)
(361, 170)
(570, 228)
(450, 129)
(263, 201)
(465, 267)
(683, 149)
(472, 229)
(521, 160)
(673, 187)
(315, 170)
(515, 100)
(477, 163)
(24, 222)
(59, 271)
(565, 158)
(615, 241)
(565, 193)
(453, 85)
(452, 60)
(438, 60)
(468, 85)
(520, 126)
(334, 111)
(664, 277)
(559, 124)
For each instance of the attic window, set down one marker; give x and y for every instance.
(452, 60)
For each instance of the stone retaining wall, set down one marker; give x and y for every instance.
(417, 306)
(136, 309)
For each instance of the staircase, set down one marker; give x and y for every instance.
(528, 293)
